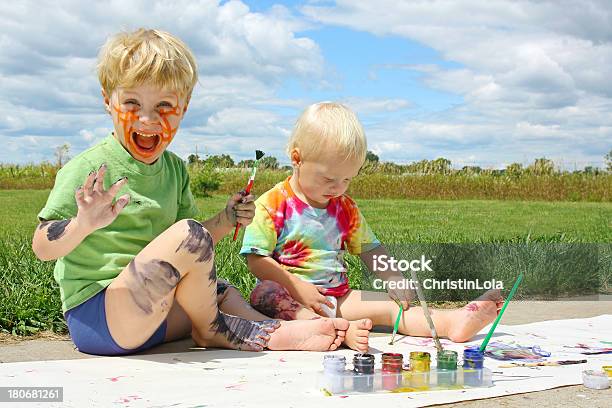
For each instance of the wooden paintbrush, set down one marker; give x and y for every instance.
(543, 363)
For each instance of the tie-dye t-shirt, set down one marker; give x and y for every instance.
(309, 242)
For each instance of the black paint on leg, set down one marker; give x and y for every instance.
(244, 334)
(199, 241)
(151, 282)
(221, 287)
(212, 276)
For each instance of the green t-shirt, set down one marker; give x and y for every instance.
(159, 196)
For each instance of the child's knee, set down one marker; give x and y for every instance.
(264, 289)
(151, 282)
(273, 300)
(195, 239)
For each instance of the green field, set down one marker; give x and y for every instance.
(30, 297)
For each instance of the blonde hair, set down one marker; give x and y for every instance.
(325, 127)
(130, 59)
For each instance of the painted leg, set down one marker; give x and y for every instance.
(177, 265)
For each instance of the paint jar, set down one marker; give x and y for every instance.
(392, 366)
(420, 364)
(334, 373)
(363, 372)
(447, 368)
(597, 380)
(473, 359)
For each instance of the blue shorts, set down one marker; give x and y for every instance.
(89, 330)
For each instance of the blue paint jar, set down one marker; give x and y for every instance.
(473, 359)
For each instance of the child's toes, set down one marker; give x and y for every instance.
(338, 341)
(251, 346)
(364, 324)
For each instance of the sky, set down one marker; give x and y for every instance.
(479, 83)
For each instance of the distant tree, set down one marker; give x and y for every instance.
(608, 158)
(193, 158)
(390, 168)
(514, 169)
(471, 170)
(61, 154)
(245, 163)
(440, 166)
(542, 167)
(220, 161)
(269, 162)
(371, 157)
(592, 170)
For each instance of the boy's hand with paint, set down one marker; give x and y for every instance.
(240, 208)
(97, 207)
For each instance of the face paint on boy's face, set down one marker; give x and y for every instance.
(146, 119)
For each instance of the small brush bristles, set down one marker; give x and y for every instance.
(259, 154)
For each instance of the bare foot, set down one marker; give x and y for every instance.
(233, 332)
(358, 335)
(471, 318)
(309, 335)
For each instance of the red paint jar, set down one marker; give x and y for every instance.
(392, 365)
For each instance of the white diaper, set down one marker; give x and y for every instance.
(331, 312)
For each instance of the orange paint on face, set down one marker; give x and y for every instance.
(167, 131)
(129, 117)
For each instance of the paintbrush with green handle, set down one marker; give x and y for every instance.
(397, 321)
(258, 155)
(483, 346)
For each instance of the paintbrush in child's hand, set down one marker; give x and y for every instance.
(258, 155)
(397, 321)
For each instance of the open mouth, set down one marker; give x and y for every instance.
(146, 143)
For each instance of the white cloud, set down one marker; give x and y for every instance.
(50, 89)
(545, 64)
(365, 106)
(533, 76)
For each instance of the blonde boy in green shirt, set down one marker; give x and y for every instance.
(138, 271)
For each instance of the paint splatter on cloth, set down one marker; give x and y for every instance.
(505, 351)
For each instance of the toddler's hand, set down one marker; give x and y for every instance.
(311, 297)
(95, 206)
(404, 296)
(240, 208)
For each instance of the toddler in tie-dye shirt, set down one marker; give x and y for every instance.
(304, 225)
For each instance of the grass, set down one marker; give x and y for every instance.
(30, 296)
